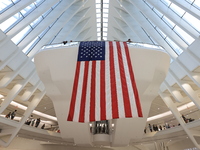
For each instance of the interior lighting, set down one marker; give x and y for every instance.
(1, 96)
(183, 107)
(15, 104)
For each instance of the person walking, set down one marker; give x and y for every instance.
(37, 122)
(13, 114)
(150, 127)
(8, 115)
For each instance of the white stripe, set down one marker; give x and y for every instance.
(118, 83)
(87, 102)
(107, 83)
(97, 92)
(129, 83)
(79, 93)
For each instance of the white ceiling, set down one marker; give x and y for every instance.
(76, 21)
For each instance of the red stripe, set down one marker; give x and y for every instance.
(74, 92)
(115, 113)
(137, 99)
(127, 105)
(102, 91)
(92, 92)
(84, 90)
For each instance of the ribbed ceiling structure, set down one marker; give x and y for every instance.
(26, 26)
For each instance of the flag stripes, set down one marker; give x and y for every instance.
(106, 85)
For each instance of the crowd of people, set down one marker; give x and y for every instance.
(187, 119)
(34, 122)
(154, 127)
(11, 115)
(30, 121)
(101, 127)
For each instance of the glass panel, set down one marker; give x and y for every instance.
(98, 34)
(16, 1)
(105, 15)
(98, 1)
(105, 29)
(190, 1)
(98, 24)
(158, 13)
(105, 1)
(161, 33)
(186, 37)
(152, 23)
(169, 22)
(175, 47)
(38, 2)
(5, 4)
(43, 32)
(98, 38)
(105, 10)
(197, 3)
(98, 10)
(55, 5)
(98, 15)
(47, 12)
(98, 29)
(105, 5)
(11, 22)
(105, 24)
(27, 48)
(166, 2)
(105, 19)
(105, 38)
(149, 5)
(98, 6)
(98, 19)
(105, 34)
(194, 22)
(177, 10)
(28, 9)
(16, 39)
(36, 22)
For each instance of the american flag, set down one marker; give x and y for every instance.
(104, 85)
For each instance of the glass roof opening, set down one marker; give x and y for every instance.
(102, 11)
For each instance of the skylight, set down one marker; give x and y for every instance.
(102, 10)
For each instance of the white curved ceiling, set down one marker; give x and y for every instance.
(160, 22)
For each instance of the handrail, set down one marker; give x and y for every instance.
(75, 43)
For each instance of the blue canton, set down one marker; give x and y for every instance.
(91, 50)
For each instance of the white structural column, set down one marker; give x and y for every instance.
(17, 73)
(186, 6)
(170, 14)
(158, 22)
(61, 21)
(12, 132)
(168, 101)
(134, 26)
(14, 91)
(29, 91)
(186, 87)
(136, 14)
(123, 26)
(174, 92)
(48, 20)
(13, 10)
(176, 75)
(45, 6)
(71, 24)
